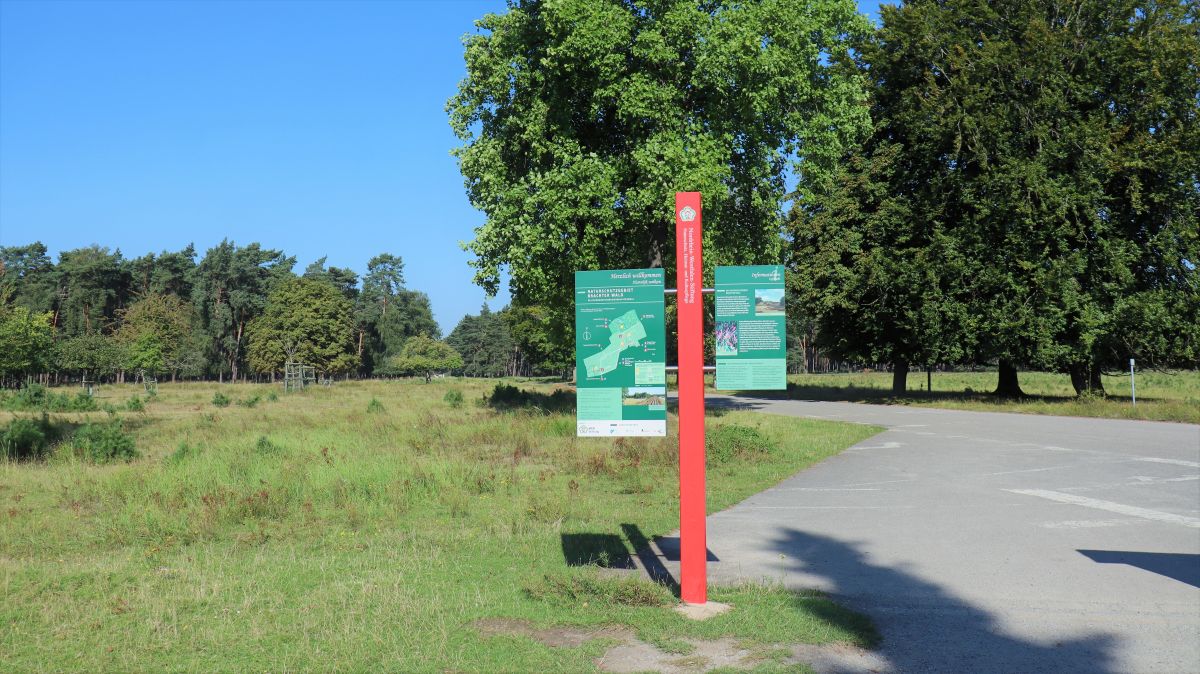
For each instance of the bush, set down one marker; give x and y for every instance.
(220, 399)
(184, 452)
(135, 404)
(272, 397)
(728, 441)
(375, 407)
(453, 398)
(265, 446)
(103, 443)
(251, 401)
(26, 439)
(38, 397)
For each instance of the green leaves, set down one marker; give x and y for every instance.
(304, 321)
(580, 120)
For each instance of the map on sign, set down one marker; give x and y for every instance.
(627, 332)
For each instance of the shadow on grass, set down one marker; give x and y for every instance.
(924, 627)
(1182, 567)
(609, 551)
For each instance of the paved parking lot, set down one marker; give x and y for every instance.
(984, 542)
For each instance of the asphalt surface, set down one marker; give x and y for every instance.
(984, 542)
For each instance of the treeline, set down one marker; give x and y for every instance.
(241, 312)
(236, 312)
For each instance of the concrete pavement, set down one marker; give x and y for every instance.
(984, 542)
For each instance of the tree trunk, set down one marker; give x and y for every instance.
(1007, 385)
(928, 379)
(899, 377)
(1085, 378)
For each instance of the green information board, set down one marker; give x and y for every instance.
(751, 329)
(620, 353)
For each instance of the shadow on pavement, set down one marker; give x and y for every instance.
(1182, 567)
(926, 629)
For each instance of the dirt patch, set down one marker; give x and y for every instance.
(633, 655)
(558, 637)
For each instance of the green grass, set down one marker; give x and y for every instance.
(1161, 396)
(320, 531)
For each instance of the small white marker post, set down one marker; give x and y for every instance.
(1132, 384)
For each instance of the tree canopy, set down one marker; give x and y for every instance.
(305, 321)
(1029, 194)
(580, 119)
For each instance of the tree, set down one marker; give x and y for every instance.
(155, 332)
(26, 339)
(387, 313)
(485, 344)
(90, 354)
(232, 285)
(304, 321)
(535, 351)
(92, 287)
(1039, 158)
(27, 274)
(581, 118)
(167, 273)
(424, 356)
(885, 283)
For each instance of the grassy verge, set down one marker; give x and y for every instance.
(363, 526)
(1161, 396)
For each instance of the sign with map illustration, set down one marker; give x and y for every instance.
(751, 330)
(620, 353)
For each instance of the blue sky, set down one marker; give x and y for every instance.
(316, 128)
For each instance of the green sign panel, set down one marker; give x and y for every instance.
(751, 329)
(620, 353)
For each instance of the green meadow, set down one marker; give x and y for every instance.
(372, 526)
(1161, 396)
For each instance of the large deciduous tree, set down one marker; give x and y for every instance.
(581, 118)
(155, 333)
(304, 321)
(26, 338)
(425, 356)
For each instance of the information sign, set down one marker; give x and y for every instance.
(620, 353)
(751, 331)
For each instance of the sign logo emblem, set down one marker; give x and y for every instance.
(687, 214)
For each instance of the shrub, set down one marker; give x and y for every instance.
(265, 446)
(251, 401)
(272, 397)
(184, 452)
(453, 398)
(103, 443)
(220, 399)
(25, 439)
(375, 407)
(135, 404)
(726, 442)
(38, 397)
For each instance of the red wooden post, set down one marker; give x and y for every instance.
(693, 552)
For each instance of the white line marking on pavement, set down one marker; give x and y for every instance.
(1083, 524)
(886, 445)
(1173, 462)
(1119, 508)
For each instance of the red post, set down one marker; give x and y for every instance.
(689, 299)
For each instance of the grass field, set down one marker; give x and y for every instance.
(369, 526)
(1161, 396)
